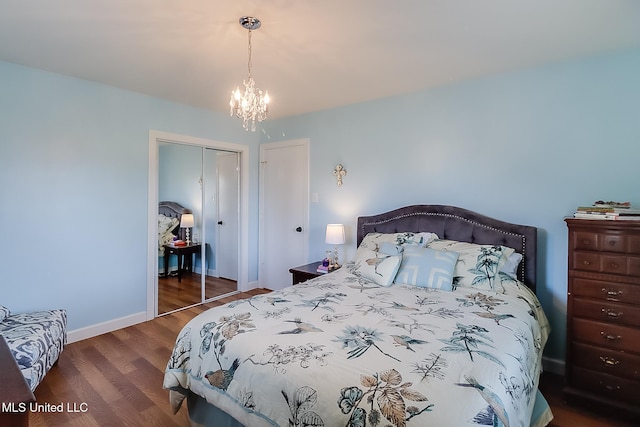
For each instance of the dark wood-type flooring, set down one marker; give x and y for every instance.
(173, 295)
(119, 376)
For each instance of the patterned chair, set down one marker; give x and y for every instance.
(36, 340)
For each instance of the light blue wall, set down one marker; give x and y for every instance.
(73, 194)
(526, 147)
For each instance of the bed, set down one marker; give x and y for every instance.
(169, 214)
(435, 322)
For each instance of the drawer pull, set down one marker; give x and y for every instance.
(611, 292)
(612, 242)
(585, 262)
(586, 242)
(610, 387)
(613, 265)
(610, 337)
(611, 313)
(609, 361)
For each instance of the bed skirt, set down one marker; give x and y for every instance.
(203, 414)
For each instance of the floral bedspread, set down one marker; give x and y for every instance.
(339, 350)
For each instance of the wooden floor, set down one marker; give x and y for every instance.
(116, 379)
(174, 294)
(571, 416)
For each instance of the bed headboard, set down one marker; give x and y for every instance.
(174, 210)
(453, 223)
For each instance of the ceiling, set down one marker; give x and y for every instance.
(310, 54)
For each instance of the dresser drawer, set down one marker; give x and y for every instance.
(607, 312)
(614, 264)
(633, 266)
(607, 361)
(583, 240)
(613, 242)
(586, 261)
(634, 244)
(605, 291)
(605, 334)
(606, 263)
(605, 385)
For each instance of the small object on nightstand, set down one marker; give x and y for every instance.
(305, 272)
(323, 268)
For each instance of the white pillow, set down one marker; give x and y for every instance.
(377, 260)
(403, 238)
(166, 224)
(510, 267)
(478, 266)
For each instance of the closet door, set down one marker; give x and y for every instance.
(227, 211)
(180, 180)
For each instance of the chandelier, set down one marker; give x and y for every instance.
(253, 104)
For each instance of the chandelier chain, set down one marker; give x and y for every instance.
(249, 61)
(253, 104)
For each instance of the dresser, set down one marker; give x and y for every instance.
(15, 394)
(603, 315)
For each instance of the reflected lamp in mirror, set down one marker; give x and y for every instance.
(334, 236)
(186, 221)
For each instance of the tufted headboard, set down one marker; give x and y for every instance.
(453, 223)
(174, 210)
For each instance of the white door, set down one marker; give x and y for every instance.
(228, 211)
(284, 210)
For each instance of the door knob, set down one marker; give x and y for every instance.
(299, 229)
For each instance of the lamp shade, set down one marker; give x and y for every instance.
(186, 221)
(335, 234)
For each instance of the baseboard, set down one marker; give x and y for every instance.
(555, 366)
(248, 286)
(104, 327)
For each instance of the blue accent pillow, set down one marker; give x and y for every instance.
(427, 268)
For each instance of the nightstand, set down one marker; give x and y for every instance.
(184, 254)
(305, 272)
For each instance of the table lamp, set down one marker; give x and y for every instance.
(186, 221)
(334, 236)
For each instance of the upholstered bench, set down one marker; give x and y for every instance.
(36, 340)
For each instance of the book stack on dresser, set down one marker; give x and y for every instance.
(615, 211)
(603, 315)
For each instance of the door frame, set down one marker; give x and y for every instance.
(157, 137)
(261, 225)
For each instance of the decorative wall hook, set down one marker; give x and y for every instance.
(339, 172)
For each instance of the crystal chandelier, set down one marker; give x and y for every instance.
(254, 104)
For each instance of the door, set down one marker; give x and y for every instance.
(284, 217)
(227, 215)
(180, 171)
(180, 178)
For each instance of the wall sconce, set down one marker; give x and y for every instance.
(186, 221)
(334, 236)
(339, 172)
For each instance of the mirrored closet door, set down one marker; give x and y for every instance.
(198, 223)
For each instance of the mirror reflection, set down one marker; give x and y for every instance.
(198, 189)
